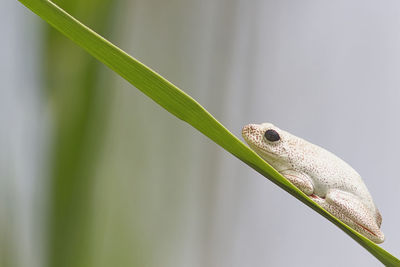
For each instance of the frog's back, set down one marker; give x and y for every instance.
(330, 172)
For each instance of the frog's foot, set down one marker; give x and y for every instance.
(300, 180)
(350, 210)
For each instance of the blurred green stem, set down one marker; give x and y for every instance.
(79, 100)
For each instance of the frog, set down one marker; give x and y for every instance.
(322, 176)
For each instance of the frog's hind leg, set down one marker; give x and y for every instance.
(349, 209)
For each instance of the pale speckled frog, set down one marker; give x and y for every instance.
(322, 176)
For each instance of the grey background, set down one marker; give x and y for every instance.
(327, 71)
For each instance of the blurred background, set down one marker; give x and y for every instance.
(93, 173)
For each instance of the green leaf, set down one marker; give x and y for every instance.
(182, 106)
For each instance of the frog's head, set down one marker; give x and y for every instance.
(267, 140)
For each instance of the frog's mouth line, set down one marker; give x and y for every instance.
(268, 152)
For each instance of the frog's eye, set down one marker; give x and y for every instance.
(272, 135)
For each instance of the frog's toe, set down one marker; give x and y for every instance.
(378, 218)
(375, 234)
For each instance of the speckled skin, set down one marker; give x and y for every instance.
(324, 177)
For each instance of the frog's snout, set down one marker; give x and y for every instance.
(250, 131)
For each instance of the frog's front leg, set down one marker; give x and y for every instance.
(349, 209)
(300, 180)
